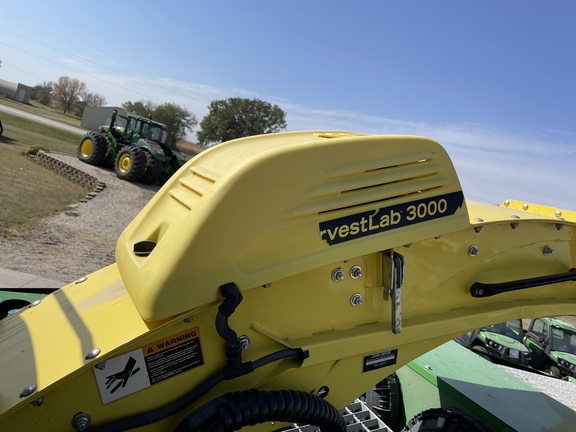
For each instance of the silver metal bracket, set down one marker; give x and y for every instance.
(393, 278)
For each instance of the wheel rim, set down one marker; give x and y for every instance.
(124, 163)
(86, 147)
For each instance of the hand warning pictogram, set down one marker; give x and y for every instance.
(122, 376)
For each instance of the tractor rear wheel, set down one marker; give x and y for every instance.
(92, 149)
(130, 164)
(154, 170)
(446, 420)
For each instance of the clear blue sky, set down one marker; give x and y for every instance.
(493, 81)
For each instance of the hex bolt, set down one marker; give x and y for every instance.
(81, 421)
(244, 342)
(355, 272)
(37, 402)
(356, 300)
(189, 319)
(473, 251)
(547, 250)
(101, 365)
(337, 275)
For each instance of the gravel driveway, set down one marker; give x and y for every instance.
(82, 239)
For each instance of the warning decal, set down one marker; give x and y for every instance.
(173, 355)
(134, 371)
(379, 360)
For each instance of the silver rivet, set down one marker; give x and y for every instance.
(478, 220)
(268, 285)
(189, 319)
(558, 213)
(244, 342)
(506, 203)
(35, 303)
(473, 251)
(93, 353)
(28, 390)
(337, 275)
(37, 402)
(355, 272)
(525, 207)
(82, 279)
(547, 250)
(356, 300)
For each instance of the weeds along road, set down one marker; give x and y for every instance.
(44, 120)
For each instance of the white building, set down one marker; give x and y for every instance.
(18, 92)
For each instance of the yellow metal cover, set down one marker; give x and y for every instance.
(262, 208)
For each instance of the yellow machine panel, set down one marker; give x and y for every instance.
(274, 279)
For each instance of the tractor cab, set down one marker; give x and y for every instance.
(140, 127)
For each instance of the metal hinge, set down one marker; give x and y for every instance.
(393, 278)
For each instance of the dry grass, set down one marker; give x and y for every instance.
(29, 190)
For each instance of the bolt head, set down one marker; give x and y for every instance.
(473, 251)
(355, 272)
(525, 207)
(356, 300)
(337, 275)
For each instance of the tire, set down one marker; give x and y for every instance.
(130, 164)
(553, 370)
(92, 149)
(385, 400)
(153, 171)
(482, 352)
(1, 128)
(445, 420)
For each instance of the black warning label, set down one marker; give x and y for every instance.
(379, 360)
(174, 355)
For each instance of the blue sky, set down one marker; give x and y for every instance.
(492, 81)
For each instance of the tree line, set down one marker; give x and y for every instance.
(227, 118)
(69, 95)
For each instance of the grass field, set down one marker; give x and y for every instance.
(28, 190)
(35, 108)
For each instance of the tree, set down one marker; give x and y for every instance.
(238, 117)
(93, 99)
(67, 92)
(142, 107)
(177, 120)
(42, 93)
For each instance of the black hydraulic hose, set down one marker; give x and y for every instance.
(155, 415)
(232, 298)
(236, 410)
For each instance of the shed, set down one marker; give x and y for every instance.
(94, 117)
(18, 92)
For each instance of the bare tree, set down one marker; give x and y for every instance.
(93, 99)
(43, 92)
(67, 92)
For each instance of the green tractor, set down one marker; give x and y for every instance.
(137, 152)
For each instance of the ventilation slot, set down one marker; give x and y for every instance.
(192, 186)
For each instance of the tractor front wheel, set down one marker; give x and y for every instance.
(92, 149)
(130, 164)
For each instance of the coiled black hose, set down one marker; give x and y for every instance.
(247, 408)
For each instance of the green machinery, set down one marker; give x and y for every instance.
(553, 345)
(452, 389)
(137, 152)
